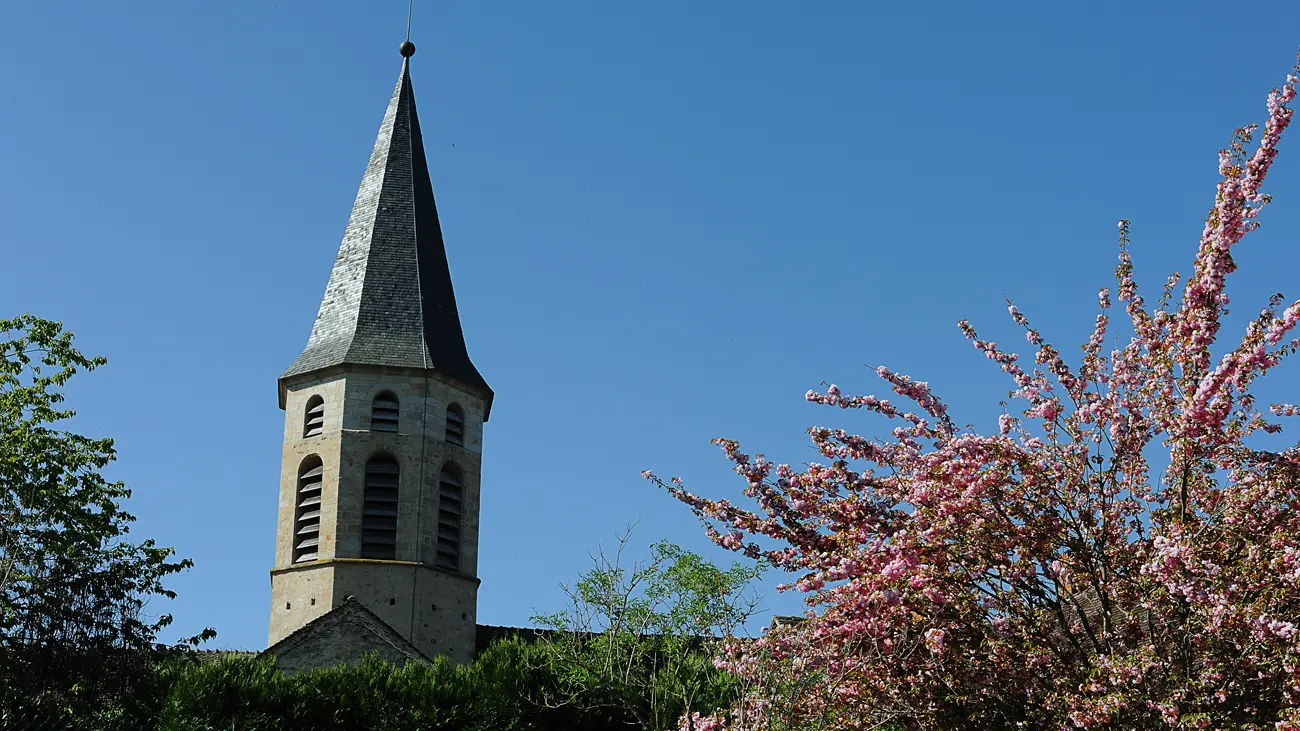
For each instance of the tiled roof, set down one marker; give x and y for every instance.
(207, 656)
(389, 301)
(486, 634)
(780, 620)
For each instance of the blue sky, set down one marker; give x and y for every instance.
(666, 221)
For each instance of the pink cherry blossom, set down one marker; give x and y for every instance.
(1118, 555)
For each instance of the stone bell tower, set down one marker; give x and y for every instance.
(384, 414)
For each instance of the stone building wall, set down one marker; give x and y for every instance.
(433, 608)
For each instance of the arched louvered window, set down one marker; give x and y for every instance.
(306, 516)
(450, 496)
(379, 509)
(455, 425)
(313, 420)
(383, 412)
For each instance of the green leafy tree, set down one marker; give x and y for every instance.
(73, 632)
(640, 639)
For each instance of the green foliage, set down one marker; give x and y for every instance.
(641, 639)
(634, 651)
(72, 588)
(500, 691)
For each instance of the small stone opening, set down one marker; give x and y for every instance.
(455, 425)
(379, 510)
(314, 417)
(449, 514)
(384, 412)
(306, 522)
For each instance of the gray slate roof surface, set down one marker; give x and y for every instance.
(389, 301)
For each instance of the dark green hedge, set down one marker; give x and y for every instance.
(512, 686)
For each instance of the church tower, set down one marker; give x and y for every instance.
(384, 414)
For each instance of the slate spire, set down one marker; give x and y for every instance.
(389, 301)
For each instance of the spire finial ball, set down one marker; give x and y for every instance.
(407, 49)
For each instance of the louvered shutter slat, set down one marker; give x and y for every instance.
(379, 506)
(307, 510)
(384, 413)
(314, 417)
(448, 536)
(455, 431)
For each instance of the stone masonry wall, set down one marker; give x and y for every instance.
(297, 597)
(443, 602)
(433, 609)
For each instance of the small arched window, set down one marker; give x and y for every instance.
(384, 411)
(450, 495)
(306, 517)
(313, 419)
(455, 425)
(379, 508)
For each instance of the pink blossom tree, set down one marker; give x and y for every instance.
(1116, 556)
